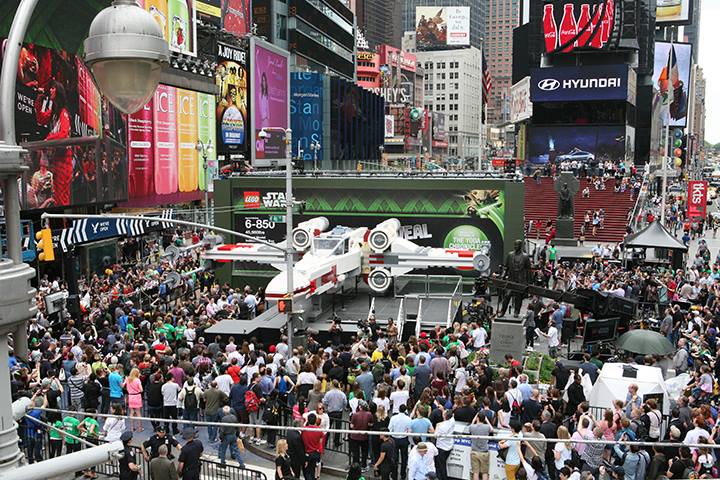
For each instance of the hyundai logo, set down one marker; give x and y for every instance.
(548, 84)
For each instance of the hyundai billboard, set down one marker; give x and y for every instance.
(578, 84)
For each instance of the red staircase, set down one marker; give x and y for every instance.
(541, 204)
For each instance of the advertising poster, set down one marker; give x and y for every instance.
(89, 100)
(437, 27)
(389, 126)
(581, 83)
(187, 127)
(177, 20)
(449, 218)
(165, 138)
(233, 16)
(697, 198)
(678, 12)
(231, 116)
(520, 104)
(141, 152)
(586, 144)
(439, 129)
(571, 24)
(42, 191)
(671, 77)
(270, 100)
(306, 113)
(112, 172)
(206, 134)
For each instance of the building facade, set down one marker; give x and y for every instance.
(375, 19)
(502, 17)
(452, 87)
(696, 128)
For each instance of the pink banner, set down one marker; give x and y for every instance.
(141, 152)
(697, 199)
(165, 137)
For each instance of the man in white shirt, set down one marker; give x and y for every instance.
(399, 397)
(553, 337)
(694, 435)
(224, 381)
(421, 461)
(444, 444)
(479, 336)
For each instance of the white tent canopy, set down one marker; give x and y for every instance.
(612, 385)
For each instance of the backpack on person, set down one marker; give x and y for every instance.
(252, 402)
(515, 407)
(191, 401)
(641, 430)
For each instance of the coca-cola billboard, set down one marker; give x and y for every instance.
(571, 24)
(697, 199)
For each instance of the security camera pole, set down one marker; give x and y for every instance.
(289, 251)
(125, 33)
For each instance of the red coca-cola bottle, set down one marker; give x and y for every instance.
(596, 23)
(550, 28)
(608, 20)
(583, 21)
(568, 28)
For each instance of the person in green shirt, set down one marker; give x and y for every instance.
(72, 426)
(552, 254)
(56, 439)
(90, 430)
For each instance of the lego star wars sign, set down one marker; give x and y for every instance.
(697, 199)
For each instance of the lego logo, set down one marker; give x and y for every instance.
(251, 199)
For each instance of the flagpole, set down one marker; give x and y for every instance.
(667, 157)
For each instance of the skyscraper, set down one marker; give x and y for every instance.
(502, 17)
(692, 32)
(376, 19)
(478, 15)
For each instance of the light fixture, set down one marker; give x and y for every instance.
(125, 51)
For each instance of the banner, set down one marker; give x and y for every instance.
(586, 24)
(389, 126)
(270, 101)
(231, 113)
(141, 152)
(306, 113)
(233, 16)
(671, 77)
(206, 135)
(697, 198)
(177, 19)
(187, 126)
(575, 84)
(437, 28)
(165, 138)
(521, 108)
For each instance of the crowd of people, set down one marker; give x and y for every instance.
(117, 356)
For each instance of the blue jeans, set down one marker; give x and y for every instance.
(190, 415)
(230, 440)
(213, 430)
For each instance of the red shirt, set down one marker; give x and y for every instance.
(360, 420)
(234, 372)
(314, 441)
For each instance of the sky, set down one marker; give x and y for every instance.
(709, 37)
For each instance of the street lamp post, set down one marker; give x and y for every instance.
(203, 149)
(125, 51)
(381, 149)
(315, 148)
(289, 252)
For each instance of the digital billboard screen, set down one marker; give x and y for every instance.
(585, 144)
(437, 28)
(270, 93)
(671, 77)
(233, 16)
(306, 113)
(232, 107)
(176, 19)
(678, 12)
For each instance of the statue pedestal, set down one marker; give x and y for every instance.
(565, 235)
(507, 337)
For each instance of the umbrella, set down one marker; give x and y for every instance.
(645, 342)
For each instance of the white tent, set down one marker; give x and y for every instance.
(612, 384)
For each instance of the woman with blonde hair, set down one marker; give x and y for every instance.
(283, 470)
(563, 448)
(134, 388)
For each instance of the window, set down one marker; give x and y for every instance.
(281, 26)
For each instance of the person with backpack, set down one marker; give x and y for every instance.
(253, 406)
(190, 397)
(514, 399)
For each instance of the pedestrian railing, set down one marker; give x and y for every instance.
(209, 468)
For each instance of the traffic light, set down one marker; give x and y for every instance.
(45, 245)
(285, 305)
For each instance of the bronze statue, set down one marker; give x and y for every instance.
(565, 202)
(517, 269)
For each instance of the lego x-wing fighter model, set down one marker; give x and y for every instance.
(328, 258)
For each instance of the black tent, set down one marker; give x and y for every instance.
(654, 235)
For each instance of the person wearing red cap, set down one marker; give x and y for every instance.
(271, 349)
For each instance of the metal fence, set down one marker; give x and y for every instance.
(209, 468)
